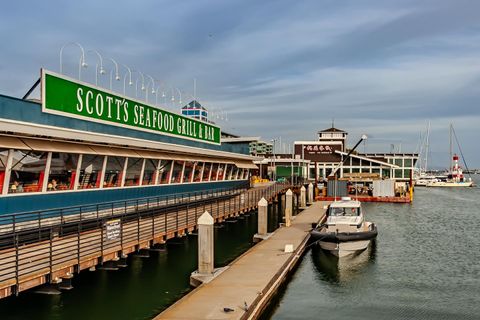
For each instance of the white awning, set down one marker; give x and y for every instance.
(12, 143)
(57, 146)
(246, 165)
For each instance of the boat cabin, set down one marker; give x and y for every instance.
(345, 215)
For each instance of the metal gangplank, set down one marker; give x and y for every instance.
(47, 246)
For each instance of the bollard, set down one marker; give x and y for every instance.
(303, 197)
(288, 207)
(205, 244)
(262, 217)
(310, 193)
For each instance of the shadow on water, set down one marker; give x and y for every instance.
(334, 270)
(143, 289)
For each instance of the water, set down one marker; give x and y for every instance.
(143, 289)
(425, 264)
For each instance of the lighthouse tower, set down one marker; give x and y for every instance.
(457, 173)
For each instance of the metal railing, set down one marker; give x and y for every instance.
(43, 251)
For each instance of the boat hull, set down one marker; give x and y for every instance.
(450, 184)
(342, 244)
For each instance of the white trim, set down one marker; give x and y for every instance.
(170, 173)
(122, 125)
(182, 172)
(35, 129)
(192, 175)
(157, 172)
(102, 173)
(46, 171)
(77, 171)
(8, 172)
(317, 142)
(368, 159)
(124, 172)
(142, 172)
(203, 169)
(210, 173)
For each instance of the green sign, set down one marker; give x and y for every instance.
(67, 97)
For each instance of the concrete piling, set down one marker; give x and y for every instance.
(262, 221)
(205, 243)
(303, 197)
(310, 193)
(288, 207)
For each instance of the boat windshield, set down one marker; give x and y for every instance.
(344, 212)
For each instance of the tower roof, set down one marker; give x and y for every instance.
(194, 104)
(332, 129)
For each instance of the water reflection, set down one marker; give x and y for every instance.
(339, 270)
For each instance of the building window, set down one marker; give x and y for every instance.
(406, 173)
(188, 171)
(28, 171)
(398, 173)
(134, 170)
(90, 171)
(63, 169)
(221, 171)
(408, 163)
(177, 172)
(149, 173)
(197, 176)
(213, 176)
(114, 172)
(399, 162)
(164, 172)
(206, 171)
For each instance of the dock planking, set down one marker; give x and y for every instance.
(247, 285)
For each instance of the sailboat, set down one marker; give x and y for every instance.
(454, 177)
(421, 175)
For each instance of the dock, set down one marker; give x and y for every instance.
(245, 288)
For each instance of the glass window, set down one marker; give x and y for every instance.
(247, 172)
(406, 173)
(90, 171)
(232, 172)
(407, 163)
(28, 171)
(399, 162)
(398, 173)
(164, 171)
(63, 169)
(114, 172)
(213, 176)
(386, 173)
(188, 171)
(339, 212)
(206, 171)
(177, 172)
(134, 169)
(221, 171)
(149, 172)
(197, 175)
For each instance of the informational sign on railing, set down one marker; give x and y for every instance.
(113, 229)
(69, 97)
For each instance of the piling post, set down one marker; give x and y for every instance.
(205, 244)
(303, 197)
(310, 193)
(206, 271)
(262, 216)
(288, 207)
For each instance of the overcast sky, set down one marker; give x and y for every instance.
(279, 68)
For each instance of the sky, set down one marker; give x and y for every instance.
(275, 68)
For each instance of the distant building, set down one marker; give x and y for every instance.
(195, 110)
(329, 151)
(256, 146)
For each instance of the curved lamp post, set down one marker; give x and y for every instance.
(152, 81)
(102, 70)
(117, 76)
(125, 77)
(82, 63)
(136, 83)
(163, 93)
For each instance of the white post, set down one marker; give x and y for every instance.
(310, 193)
(303, 197)
(262, 217)
(205, 244)
(288, 207)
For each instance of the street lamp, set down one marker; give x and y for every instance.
(102, 70)
(274, 173)
(82, 63)
(125, 78)
(117, 76)
(152, 81)
(136, 83)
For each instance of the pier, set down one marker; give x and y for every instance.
(52, 250)
(244, 289)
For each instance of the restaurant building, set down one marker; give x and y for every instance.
(82, 144)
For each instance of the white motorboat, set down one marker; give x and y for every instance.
(345, 231)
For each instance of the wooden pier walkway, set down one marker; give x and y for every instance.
(248, 284)
(81, 244)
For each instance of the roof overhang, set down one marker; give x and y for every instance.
(368, 159)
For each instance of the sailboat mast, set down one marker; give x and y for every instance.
(451, 155)
(427, 147)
